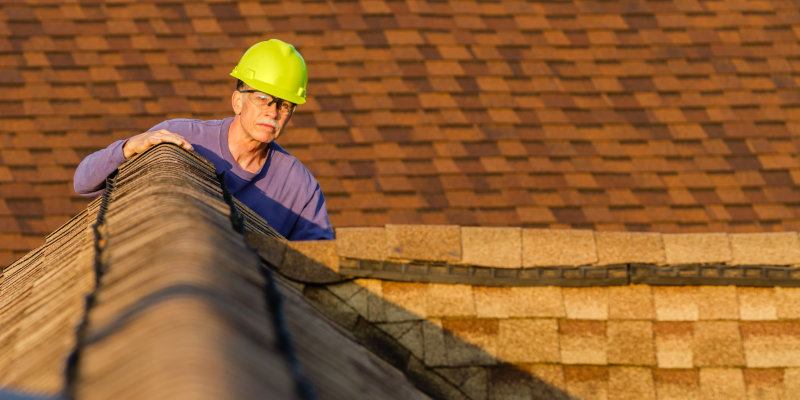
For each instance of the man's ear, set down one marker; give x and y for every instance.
(236, 102)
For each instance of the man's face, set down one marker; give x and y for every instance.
(262, 116)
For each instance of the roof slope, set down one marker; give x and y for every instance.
(182, 306)
(643, 116)
(501, 312)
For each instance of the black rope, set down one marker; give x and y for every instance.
(100, 242)
(274, 302)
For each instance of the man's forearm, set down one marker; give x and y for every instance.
(90, 176)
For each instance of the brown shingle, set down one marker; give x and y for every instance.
(764, 383)
(630, 302)
(717, 344)
(587, 381)
(631, 343)
(470, 341)
(631, 383)
(717, 303)
(771, 344)
(674, 344)
(583, 342)
(528, 340)
(676, 384)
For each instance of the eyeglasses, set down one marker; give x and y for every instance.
(262, 100)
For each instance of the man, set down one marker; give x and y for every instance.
(272, 80)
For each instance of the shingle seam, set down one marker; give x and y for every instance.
(99, 230)
(611, 275)
(274, 304)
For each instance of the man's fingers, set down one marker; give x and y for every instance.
(178, 140)
(164, 136)
(140, 143)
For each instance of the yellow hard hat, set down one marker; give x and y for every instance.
(276, 68)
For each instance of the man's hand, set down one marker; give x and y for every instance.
(143, 141)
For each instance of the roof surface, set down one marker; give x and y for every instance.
(179, 304)
(163, 298)
(629, 116)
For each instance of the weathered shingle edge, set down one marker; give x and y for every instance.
(510, 256)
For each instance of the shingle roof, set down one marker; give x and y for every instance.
(716, 316)
(179, 305)
(638, 116)
(162, 298)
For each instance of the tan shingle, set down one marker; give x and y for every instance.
(787, 302)
(722, 383)
(418, 242)
(367, 243)
(449, 300)
(405, 300)
(492, 247)
(765, 248)
(557, 247)
(696, 248)
(717, 302)
(629, 247)
(552, 374)
(791, 380)
(757, 303)
(675, 303)
(516, 302)
(586, 303)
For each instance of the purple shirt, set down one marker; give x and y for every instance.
(283, 191)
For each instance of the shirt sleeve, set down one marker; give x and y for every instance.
(313, 223)
(90, 176)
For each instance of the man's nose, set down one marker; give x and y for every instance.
(272, 109)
